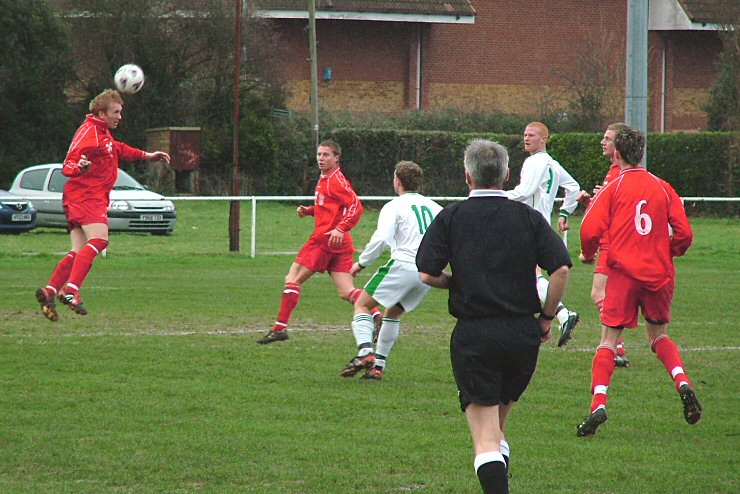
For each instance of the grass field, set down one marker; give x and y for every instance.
(163, 389)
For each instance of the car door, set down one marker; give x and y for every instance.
(55, 187)
(33, 182)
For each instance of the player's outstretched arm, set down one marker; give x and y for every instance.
(157, 155)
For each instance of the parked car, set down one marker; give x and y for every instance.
(132, 207)
(16, 214)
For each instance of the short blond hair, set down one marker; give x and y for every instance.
(542, 128)
(103, 101)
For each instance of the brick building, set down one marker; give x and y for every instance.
(510, 56)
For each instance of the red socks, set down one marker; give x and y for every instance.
(667, 353)
(620, 348)
(61, 273)
(602, 369)
(291, 294)
(83, 262)
(289, 301)
(355, 294)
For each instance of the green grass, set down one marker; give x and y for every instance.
(163, 389)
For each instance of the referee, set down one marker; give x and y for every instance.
(492, 245)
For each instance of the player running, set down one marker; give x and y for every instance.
(92, 167)
(336, 210)
(396, 285)
(636, 210)
(601, 272)
(539, 181)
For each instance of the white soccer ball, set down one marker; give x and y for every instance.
(129, 78)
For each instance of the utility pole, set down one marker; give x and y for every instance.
(314, 72)
(636, 90)
(234, 205)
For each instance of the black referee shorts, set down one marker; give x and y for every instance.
(493, 359)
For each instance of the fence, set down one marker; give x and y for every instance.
(254, 199)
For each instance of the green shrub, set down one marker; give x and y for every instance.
(702, 164)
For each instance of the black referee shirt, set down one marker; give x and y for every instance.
(492, 245)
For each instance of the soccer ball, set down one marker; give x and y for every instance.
(129, 78)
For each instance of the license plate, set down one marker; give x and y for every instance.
(151, 217)
(21, 217)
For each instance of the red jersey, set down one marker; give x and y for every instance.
(336, 206)
(94, 140)
(636, 210)
(610, 175)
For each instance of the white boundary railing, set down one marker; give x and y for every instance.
(255, 199)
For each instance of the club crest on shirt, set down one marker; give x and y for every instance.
(320, 198)
(109, 147)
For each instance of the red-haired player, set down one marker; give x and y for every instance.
(92, 167)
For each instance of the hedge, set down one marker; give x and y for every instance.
(696, 164)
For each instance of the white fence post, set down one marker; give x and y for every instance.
(253, 246)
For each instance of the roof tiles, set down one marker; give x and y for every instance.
(424, 7)
(712, 11)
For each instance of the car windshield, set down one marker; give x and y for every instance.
(127, 182)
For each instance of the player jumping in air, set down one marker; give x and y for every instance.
(92, 167)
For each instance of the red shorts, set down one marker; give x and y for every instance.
(623, 297)
(601, 266)
(86, 212)
(318, 259)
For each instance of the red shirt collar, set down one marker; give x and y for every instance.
(98, 122)
(331, 173)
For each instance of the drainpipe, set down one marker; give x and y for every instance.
(418, 69)
(663, 86)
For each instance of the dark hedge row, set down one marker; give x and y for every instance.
(697, 164)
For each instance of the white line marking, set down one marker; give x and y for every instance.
(250, 331)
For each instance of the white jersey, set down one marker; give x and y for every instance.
(401, 225)
(540, 179)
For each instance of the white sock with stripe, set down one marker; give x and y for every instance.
(362, 328)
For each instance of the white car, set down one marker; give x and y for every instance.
(132, 207)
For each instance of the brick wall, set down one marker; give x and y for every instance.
(353, 96)
(517, 57)
(691, 59)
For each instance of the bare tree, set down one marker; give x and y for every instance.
(593, 88)
(723, 105)
(185, 48)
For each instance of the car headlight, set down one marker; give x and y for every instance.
(169, 206)
(119, 206)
